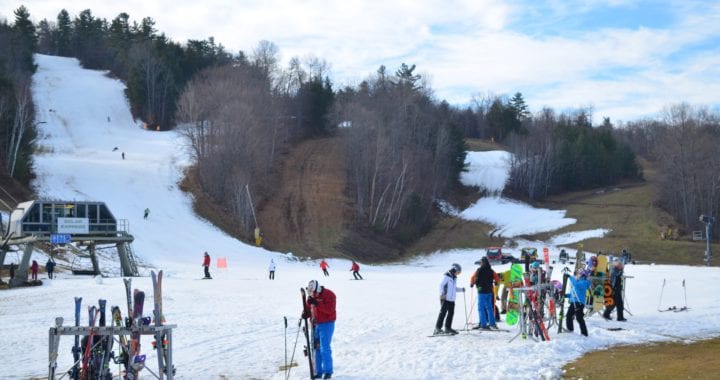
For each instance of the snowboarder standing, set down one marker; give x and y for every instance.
(321, 306)
(324, 266)
(271, 269)
(580, 286)
(50, 267)
(484, 277)
(206, 265)
(34, 268)
(146, 213)
(616, 274)
(355, 268)
(448, 289)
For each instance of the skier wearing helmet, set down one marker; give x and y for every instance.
(321, 303)
(448, 289)
(580, 286)
(536, 273)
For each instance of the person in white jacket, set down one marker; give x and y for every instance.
(271, 268)
(448, 290)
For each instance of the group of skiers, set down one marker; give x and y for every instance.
(485, 279)
(354, 268)
(35, 269)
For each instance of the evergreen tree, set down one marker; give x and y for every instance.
(63, 35)
(517, 103)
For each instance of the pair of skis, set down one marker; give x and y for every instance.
(673, 308)
(161, 343)
(309, 331)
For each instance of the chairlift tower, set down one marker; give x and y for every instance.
(708, 220)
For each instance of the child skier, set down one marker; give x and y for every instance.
(448, 289)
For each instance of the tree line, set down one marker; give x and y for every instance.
(17, 111)
(683, 145)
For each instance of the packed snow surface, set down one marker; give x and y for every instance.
(232, 327)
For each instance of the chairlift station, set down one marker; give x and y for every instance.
(84, 223)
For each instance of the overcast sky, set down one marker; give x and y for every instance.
(626, 59)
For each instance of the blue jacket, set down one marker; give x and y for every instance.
(580, 288)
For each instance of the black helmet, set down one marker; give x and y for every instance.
(456, 268)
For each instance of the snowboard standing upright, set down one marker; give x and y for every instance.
(513, 307)
(600, 274)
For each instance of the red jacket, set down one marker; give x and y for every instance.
(355, 267)
(324, 311)
(206, 261)
(324, 265)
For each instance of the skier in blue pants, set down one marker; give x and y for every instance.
(483, 279)
(321, 302)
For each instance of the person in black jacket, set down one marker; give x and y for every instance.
(616, 277)
(50, 267)
(484, 277)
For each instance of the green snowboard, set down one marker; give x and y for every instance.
(513, 314)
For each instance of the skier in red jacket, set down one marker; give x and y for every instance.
(324, 266)
(206, 265)
(356, 270)
(321, 304)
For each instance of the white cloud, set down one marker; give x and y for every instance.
(466, 46)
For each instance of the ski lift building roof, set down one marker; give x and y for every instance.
(45, 217)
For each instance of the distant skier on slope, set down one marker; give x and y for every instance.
(324, 266)
(580, 286)
(206, 265)
(355, 268)
(448, 289)
(271, 269)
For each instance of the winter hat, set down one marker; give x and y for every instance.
(485, 261)
(456, 268)
(535, 265)
(585, 273)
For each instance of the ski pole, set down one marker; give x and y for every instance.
(292, 357)
(661, 293)
(466, 314)
(472, 307)
(685, 291)
(285, 319)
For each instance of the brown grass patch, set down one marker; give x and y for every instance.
(677, 360)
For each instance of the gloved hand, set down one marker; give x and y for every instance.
(472, 285)
(312, 301)
(305, 314)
